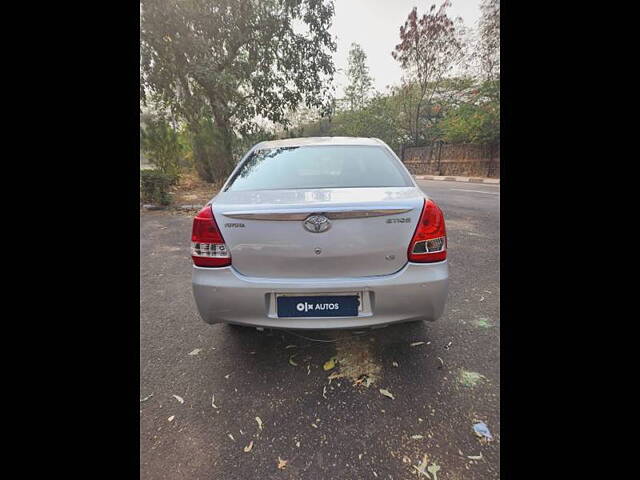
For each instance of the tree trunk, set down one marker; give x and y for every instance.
(415, 131)
(213, 148)
(225, 162)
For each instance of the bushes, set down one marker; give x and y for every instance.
(160, 142)
(154, 186)
(212, 151)
(215, 150)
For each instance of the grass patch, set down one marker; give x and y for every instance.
(482, 322)
(470, 379)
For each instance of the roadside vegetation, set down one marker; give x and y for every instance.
(213, 84)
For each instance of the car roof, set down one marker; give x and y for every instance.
(307, 141)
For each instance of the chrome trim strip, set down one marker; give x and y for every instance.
(332, 215)
(366, 213)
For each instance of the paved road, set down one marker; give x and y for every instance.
(323, 429)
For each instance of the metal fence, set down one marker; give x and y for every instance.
(465, 159)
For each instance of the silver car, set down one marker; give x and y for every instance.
(320, 233)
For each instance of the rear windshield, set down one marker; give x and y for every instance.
(319, 167)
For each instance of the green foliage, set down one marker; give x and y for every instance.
(154, 187)
(461, 111)
(215, 67)
(360, 82)
(306, 122)
(184, 139)
(209, 151)
(478, 119)
(244, 142)
(230, 61)
(159, 141)
(211, 148)
(378, 119)
(471, 124)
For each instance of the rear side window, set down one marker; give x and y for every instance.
(319, 167)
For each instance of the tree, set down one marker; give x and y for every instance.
(488, 46)
(429, 49)
(220, 64)
(472, 124)
(476, 118)
(379, 118)
(159, 141)
(360, 82)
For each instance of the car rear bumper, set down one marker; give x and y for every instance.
(416, 292)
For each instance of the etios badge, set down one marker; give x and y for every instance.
(317, 223)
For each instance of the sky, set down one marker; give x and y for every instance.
(375, 25)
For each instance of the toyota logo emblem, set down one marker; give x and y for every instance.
(317, 223)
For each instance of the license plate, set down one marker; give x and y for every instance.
(318, 306)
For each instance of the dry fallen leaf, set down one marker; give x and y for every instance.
(259, 420)
(387, 393)
(180, 399)
(249, 447)
(415, 344)
(330, 364)
(314, 425)
(363, 380)
(195, 352)
(291, 361)
(433, 469)
(422, 466)
(282, 463)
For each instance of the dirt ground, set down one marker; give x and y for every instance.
(191, 190)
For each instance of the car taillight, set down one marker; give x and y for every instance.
(207, 245)
(429, 242)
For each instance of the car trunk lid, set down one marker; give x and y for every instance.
(368, 233)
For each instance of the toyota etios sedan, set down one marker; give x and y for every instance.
(320, 233)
